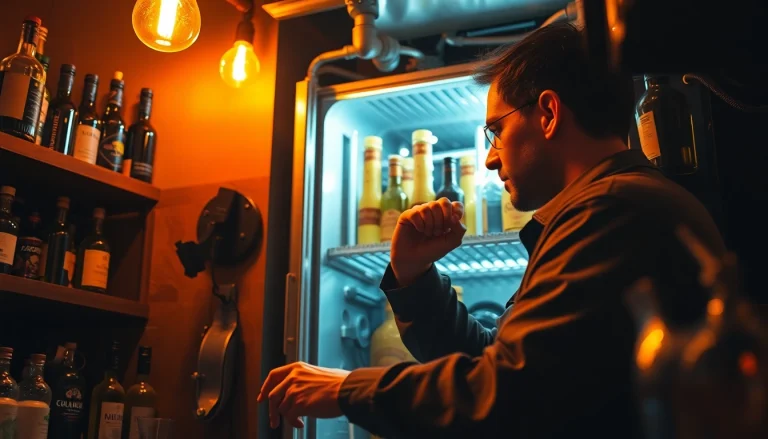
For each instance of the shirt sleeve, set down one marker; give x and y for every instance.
(431, 320)
(561, 361)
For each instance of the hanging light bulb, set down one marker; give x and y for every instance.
(166, 25)
(239, 65)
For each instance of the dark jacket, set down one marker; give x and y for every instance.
(561, 361)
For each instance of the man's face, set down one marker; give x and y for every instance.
(520, 154)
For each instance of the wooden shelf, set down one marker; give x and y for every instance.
(42, 173)
(16, 289)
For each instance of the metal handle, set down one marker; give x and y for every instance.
(291, 318)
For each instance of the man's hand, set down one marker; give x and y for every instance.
(301, 389)
(424, 234)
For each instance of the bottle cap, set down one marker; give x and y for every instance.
(98, 213)
(6, 353)
(42, 32)
(146, 92)
(466, 160)
(33, 19)
(92, 77)
(8, 190)
(395, 160)
(37, 358)
(62, 202)
(118, 75)
(449, 161)
(67, 69)
(372, 142)
(423, 136)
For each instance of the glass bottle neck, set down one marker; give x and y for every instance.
(98, 224)
(61, 215)
(395, 181)
(145, 109)
(34, 370)
(449, 175)
(28, 41)
(5, 366)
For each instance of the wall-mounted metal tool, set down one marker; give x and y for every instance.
(229, 231)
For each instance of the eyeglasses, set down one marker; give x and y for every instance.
(491, 136)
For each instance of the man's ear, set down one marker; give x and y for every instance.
(552, 113)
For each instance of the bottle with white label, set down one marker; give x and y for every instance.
(9, 393)
(423, 189)
(68, 402)
(512, 220)
(468, 185)
(9, 229)
(92, 266)
(141, 398)
(34, 401)
(393, 201)
(665, 126)
(22, 78)
(369, 208)
(89, 124)
(107, 401)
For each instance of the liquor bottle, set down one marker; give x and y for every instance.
(45, 60)
(58, 243)
(665, 126)
(512, 220)
(393, 201)
(107, 401)
(423, 190)
(89, 125)
(9, 393)
(369, 208)
(112, 143)
(492, 191)
(408, 178)
(450, 189)
(467, 183)
(142, 139)
(34, 401)
(29, 248)
(141, 398)
(9, 229)
(92, 268)
(59, 130)
(22, 79)
(70, 258)
(67, 411)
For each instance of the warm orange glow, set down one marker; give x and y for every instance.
(748, 363)
(649, 347)
(715, 307)
(166, 25)
(239, 65)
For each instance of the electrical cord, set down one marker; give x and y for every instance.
(735, 103)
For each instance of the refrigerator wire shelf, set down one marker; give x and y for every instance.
(500, 253)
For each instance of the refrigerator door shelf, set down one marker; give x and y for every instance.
(477, 256)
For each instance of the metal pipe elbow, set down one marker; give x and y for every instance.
(365, 37)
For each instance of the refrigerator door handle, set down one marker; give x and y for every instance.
(291, 319)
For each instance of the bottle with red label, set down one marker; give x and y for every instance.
(369, 207)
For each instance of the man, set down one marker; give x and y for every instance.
(561, 361)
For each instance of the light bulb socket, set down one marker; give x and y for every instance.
(245, 30)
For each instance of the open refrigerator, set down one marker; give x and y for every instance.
(333, 301)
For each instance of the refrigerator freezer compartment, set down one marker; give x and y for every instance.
(477, 256)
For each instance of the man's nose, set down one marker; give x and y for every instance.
(492, 161)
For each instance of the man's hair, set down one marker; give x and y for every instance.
(555, 58)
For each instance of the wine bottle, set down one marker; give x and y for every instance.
(22, 78)
(71, 257)
(141, 398)
(58, 244)
(450, 189)
(393, 201)
(45, 60)
(9, 229)
(142, 138)
(113, 138)
(93, 258)
(29, 248)
(665, 127)
(59, 129)
(9, 393)
(34, 401)
(492, 214)
(67, 412)
(89, 125)
(107, 401)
